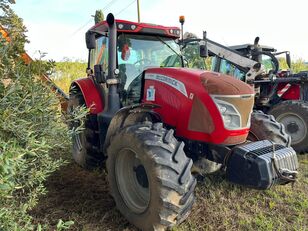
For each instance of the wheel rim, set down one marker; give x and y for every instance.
(295, 126)
(132, 181)
(76, 139)
(76, 136)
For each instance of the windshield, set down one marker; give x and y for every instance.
(191, 53)
(228, 68)
(138, 52)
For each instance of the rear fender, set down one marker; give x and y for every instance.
(91, 94)
(131, 115)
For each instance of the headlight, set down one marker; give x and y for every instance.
(230, 115)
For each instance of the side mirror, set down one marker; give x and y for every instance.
(204, 53)
(99, 74)
(90, 40)
(288, 59)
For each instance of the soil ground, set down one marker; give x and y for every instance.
(82, 196)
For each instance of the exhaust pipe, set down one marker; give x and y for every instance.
(113, 104)
(112, 45)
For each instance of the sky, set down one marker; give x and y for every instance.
(58, 27)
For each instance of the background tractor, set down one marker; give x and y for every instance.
(150, 119)
(279, 93)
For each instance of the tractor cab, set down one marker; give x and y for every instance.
(265, 55)
(138, 46)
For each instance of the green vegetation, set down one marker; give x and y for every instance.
(67, 71)
(296, 66)
(299, 65)
(99, 16)
(32, 133)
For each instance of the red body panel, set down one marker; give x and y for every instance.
(90, 94)
(176, 107)
(293, 93)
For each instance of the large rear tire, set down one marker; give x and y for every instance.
(86, 142)
(150, 176)
(294, 116)
(265, 127)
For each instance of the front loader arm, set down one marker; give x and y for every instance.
(253, 68)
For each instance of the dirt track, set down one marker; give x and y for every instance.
(82, 196)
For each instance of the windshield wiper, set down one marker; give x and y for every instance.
(159, 38)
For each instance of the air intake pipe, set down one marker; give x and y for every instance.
(113, 104)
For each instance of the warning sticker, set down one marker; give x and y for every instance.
(150, 94)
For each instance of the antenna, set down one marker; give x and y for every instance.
(138, 10)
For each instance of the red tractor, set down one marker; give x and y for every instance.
(151, 119)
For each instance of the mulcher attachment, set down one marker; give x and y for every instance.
(262, 164)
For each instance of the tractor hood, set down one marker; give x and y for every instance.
(221, 84)
(202, 105)
(214, 83)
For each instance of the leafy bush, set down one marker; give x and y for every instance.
(32, 132)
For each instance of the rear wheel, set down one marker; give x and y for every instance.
(294, 116)
(150, 176)
(86, 142)
(265, 127)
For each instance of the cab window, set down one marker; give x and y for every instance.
(135, 53)
(99, 55)
(229, 69)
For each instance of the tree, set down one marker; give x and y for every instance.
(192, 55)
(99, 16)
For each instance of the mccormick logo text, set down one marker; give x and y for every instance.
(176, 84)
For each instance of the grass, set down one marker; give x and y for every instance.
(82, 196)
(223, 206)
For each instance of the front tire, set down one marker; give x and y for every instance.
(150, 176)
(265, 127)
(86, 143)
(294, 116)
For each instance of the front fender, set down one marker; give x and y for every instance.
(91, 94)
(128, 116)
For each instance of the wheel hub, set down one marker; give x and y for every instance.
(141, 176)
(292, 127)
(295, 126)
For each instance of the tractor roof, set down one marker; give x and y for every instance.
(138, 28)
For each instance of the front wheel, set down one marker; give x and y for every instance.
(150, 176)
(265, 127)
(294, 116)
(86, 143)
